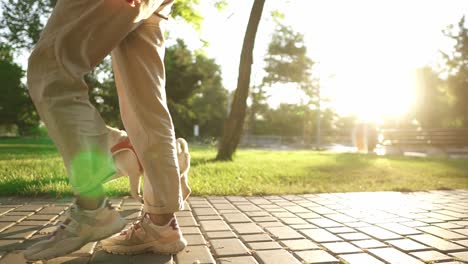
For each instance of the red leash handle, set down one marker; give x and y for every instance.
(126, 145)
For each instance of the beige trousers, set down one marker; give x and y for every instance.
(78, 35)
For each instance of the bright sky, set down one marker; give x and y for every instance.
(371, 47)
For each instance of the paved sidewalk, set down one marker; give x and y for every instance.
(362, 228)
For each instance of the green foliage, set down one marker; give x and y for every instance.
(15, 104)
(24, 20)
(188, 10)
(456, 67)
(194, 91)
(432, 108)
(286, 60)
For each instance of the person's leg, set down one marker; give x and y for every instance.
(138, 64)
(78, 35)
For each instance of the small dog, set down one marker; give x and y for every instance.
(127, 162)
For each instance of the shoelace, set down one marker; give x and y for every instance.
(135, 226)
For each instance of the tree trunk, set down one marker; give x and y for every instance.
(235, 121)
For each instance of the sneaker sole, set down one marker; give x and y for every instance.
(118, 229)
(155, 247)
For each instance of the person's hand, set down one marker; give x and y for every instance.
(133, 2)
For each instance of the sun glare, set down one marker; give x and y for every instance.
(374, 94)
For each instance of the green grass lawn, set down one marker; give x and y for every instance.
(32, 167)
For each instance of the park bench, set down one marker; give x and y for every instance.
(442, 142)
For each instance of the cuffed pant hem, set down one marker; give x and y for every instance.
(162, 209)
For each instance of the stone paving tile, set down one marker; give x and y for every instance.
(5, 225)
(256, 238)
(277, 256)
(353, 236)
(407, 244)
(195, 254)
(283, 233)
(257, 214)
(214, 225)
(236, 218)
(282, 215)
(462, 242)
(414, 223)
(316, 257)
(237, 260)
(29, 208)
(209, 217)
(320, 235)
(187, 221)
(293, 221)
(220, 234)
(399, 229)
(4, 210)
(263, 219)
(431, 256)
(324, 222)
(18, 232)
(204, 211)
(342, 218)
(440, 232)
(303, 226)
(10, 244)
(462, 231)
(341, 247)
(308, 215)
(263, 245)
(394, 256)
(224, 206)
(249, 208)
(299, 244)
(378, 232)
(184, 214)
(270, 224)
(360, 258)
(12, 218)
(340, 230)
(228, 247)
(247, 228)
(461, 255)
(194, 240)
(20, 213)
(190, 230)
(435, 242)
(368, 243)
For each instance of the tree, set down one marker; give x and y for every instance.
(456, 68)
(235, 121)
(15, 105)
(258, 107)
(194, 91)
(287, 63)
(209, 103)
(432, 108)
(286, 60)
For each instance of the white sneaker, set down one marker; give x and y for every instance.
(78, 229)
(144, 236)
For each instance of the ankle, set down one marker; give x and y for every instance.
(88, 203)
(160, 219)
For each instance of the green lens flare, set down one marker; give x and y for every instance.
(89, 170)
